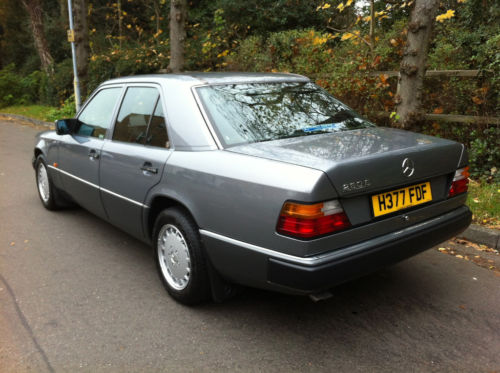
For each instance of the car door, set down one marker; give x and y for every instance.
(79, 154)
(132, 161)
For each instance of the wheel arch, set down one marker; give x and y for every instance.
(158, 204)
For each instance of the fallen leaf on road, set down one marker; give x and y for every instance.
(12, 243)
(442, 249)
(26, 241)
(459, 256)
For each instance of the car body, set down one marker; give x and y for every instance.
(224, 175)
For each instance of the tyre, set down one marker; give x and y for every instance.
(179, 257)
(48, 194)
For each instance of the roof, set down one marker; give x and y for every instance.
(196, 78)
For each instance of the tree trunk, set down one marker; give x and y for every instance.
(81, 43)
(120, 18)
(34, 9)
(412, 68)
(178, 14)
(372, 26)
(156, 7)
(63, 11)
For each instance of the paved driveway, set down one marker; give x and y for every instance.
(76, 293)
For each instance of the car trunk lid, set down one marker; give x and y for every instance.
(365, 160)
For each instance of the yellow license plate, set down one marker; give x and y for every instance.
(399, 199)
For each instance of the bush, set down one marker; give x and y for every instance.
(11, 89)
(130, 60)
(67, 110)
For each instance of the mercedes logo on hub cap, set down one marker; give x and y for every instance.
(408, 167)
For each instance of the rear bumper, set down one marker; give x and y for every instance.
(260, 267)
(347, 267)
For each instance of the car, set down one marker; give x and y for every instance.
(252, 180)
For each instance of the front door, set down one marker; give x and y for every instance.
(132, 161)
(79, 154)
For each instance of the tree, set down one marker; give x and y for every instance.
(178, 14)
(34, 9)
(81, 43)
(412, 68)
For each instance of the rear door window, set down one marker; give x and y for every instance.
(135, 114)
(95, 119)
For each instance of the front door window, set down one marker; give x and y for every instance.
(96, 117)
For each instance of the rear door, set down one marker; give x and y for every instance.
(79, 154)
(132, 160)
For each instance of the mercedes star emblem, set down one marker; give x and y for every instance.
(408, 167)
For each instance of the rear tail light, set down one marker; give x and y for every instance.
(307, 221)
(460, 182)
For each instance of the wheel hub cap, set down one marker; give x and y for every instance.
(173, 255)
(43, 182)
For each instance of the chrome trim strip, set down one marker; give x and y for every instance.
(98, 187)
(259, 249)
(337, 254)
(74, 177)
(122, 197)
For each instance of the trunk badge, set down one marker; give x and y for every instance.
(408, 167)
(356, 185)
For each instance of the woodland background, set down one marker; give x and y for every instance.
(344, 45)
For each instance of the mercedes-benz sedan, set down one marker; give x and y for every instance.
(261, 180)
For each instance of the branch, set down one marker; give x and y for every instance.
(346, 30)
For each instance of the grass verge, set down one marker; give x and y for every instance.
(39, 112)
(484, 201)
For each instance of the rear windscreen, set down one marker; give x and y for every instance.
(246, 113)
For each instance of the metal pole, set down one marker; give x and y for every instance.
(71, 37)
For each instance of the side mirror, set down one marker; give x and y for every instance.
(65, 126)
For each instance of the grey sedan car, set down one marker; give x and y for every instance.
(261, 180)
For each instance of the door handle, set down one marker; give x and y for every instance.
(93, 154)
(148, 167)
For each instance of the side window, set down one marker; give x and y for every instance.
(157, 132)
(96, 117)
(135, 114)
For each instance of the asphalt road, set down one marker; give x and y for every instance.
(78, 294)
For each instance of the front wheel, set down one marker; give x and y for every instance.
(179, 257)
(46, 191)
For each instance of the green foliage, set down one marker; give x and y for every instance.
(250, 56)
(67, 110)
(482, 142)
(16, 89)
(484, 154)
(133, 60)
(266, 16)
(10, 87)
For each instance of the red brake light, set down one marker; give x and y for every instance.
(307, 221)
(460, 182)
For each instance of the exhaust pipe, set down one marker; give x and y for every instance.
(316, 297)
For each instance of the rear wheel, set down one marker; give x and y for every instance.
(179, 257)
